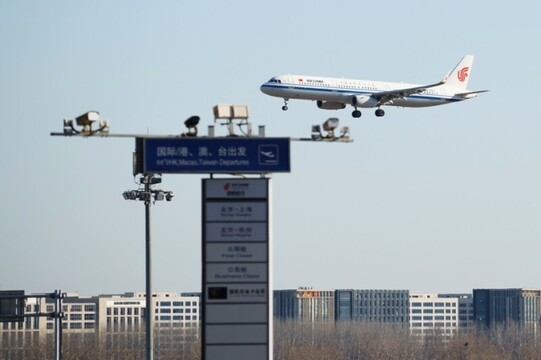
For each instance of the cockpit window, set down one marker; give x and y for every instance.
(274, 80)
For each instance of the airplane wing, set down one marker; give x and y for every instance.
(386, 97)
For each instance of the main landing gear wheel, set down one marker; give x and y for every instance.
(285, 105)
(380, 112)
(356, 113)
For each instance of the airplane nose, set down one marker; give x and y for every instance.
(263, 88)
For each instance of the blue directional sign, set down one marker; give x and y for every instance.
(213, 155)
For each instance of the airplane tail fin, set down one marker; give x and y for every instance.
(459, 76)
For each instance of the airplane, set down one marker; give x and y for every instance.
(337, 93)
(267, 154)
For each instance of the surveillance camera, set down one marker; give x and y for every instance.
(330, 124)
(192, 122)
(87, 118)
(169, 196)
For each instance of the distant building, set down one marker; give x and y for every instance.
(304, 305)
(176, 316)
(466, 319)
(432, 314)
(497, 307)
(127, 312)
(373, 306)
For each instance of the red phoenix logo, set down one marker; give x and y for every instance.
(463, 74)
(227, 186)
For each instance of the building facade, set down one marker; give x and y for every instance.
(431, 314)
(465, 310)
(503, 307)
(373, 306)
(304, 305)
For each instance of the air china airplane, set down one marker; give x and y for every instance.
(336, 93)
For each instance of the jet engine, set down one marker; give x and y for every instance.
(364, 101)
(330, 105)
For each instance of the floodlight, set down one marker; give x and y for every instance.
(159, 195)
(87, 118)
(222, 112)
(239, 111)
(144, 196)
(230, 112)
(169, 196)
(330, 124)
(130, 195)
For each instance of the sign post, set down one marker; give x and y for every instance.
(237, 274)
(237, 307)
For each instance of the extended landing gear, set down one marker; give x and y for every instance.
(285, 104)
(357, 113)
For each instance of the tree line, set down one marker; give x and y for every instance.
(295, 341)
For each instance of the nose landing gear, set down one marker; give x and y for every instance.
(380, 112)
(285, 104)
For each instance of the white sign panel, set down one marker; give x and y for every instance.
(236, 189)
(237, 273)
(236, 211)
(236, 252)
(238, 231)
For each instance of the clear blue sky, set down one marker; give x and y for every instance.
(441, 199)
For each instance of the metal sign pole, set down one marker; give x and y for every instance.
(148, 265)
(57, 325)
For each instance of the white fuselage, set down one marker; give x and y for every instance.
(338, 90)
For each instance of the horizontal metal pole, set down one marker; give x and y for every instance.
(51, 314)
(179, 136)
(29, 296)
(114, 135)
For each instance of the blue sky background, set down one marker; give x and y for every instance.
(441, 199)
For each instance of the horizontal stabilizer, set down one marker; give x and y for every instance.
(465, 94)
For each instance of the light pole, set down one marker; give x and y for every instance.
(148, 196)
